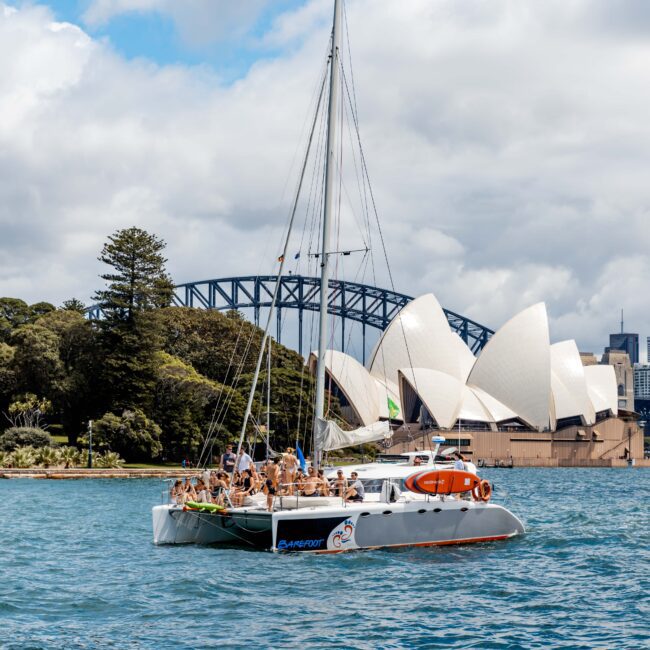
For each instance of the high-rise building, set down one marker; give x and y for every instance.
(627, 343)
(642, 382)
(648, 343)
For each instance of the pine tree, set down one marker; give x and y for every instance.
(137, 284)
(139, 281)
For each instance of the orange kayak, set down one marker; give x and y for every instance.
(446, 481)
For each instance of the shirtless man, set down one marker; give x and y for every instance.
(311, 485)
(324, 484)
(273, 472)
(340, 484)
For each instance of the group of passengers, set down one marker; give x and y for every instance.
(238, 477)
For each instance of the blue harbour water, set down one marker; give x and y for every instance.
(78, 570)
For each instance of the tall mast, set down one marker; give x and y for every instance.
(319, 407)
(268, 400)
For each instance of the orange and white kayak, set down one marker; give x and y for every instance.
(447, 481)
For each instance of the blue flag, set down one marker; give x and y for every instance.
(301, 458)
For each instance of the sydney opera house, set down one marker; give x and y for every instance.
(522, 400)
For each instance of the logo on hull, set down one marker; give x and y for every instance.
(342, 537)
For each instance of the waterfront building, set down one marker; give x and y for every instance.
(626, 342)
(522, 400)
(624, 372)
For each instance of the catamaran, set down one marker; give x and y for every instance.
(406, 502)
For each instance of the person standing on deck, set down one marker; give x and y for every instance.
(273, 472)
(460, 461)
(227, 461)
(290, 464)
(244, 462)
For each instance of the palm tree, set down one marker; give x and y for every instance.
(23, 457)
(69, 456)
(47, 456)
(110, 460)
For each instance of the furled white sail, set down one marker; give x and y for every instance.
(329, 435)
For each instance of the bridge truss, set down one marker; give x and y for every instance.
(349, 301)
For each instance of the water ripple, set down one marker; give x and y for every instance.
(79, 571)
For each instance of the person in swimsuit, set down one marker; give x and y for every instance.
(270, 491)
(273, 472)
(340, 484)
(176, 491)
(324, 485)
(291, 465)
(311, 485)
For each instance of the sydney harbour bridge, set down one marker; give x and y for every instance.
(350, 302)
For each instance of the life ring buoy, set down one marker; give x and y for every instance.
(484, 490)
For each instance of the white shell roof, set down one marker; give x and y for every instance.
(420, 336)
(602, 387)
(356, 383)
(472, 408)
(499, 411)
(518, 374)
(440, 393)
(570, 394)
(515, 366)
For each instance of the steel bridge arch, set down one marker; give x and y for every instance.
(350, 301)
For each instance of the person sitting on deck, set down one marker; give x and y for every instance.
(189, 493)
(311, 484)
(356, 491)
(176, 492)
(340, 484)
(324, 485)
(299, 481)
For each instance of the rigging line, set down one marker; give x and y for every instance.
(312, 102)
(381, 237)
(236, 379)
(355, 109)
(226, 376)
(322, 86)
(278, 281)
(359, 181)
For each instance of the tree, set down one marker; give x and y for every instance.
(40, 309)
(131, 337)
(74, 305)
(13, 313)
(27, 411)
(138, 281)
(185, 405)
(80, 394)
(132, 435)
(36, 360)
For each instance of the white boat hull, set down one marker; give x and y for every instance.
(384, 525)
(173, 525)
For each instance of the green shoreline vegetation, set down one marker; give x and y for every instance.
(153, 378)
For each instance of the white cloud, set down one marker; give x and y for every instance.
(199, 22)
(507, 144)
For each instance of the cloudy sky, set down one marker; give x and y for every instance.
(508, 143)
